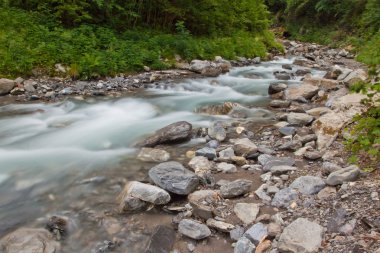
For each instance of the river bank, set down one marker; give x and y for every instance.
(264, 171)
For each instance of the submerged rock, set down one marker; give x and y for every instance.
(176, 132)
(153, 155)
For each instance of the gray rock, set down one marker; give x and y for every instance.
(153, 155)
(281, 169)
(256, 233)
(146, 192)
(274, 229)
(279, 103)
(299, 118)
(201, 166)
(287, 130)
(284, 197)
(203, 203)
(161, 241)
(219, 225)
(313, 155)
(213, 144)
(176, 132)
(193, 229)
(217, 131)
(245, 146)
(210, 153)
(348, 174)
(226, 154)
(277, 161)
(244, 245)
(226, 168)
(27, 240)
(291, 145)
(301, 236)
(236, 233)
(276, 88)
(235, 188)
(328, 167)
(128, 204)
(6, 85)
(247, 212)
(264, 159)
(308, 184)
(282, 76)
(173, 177)
(260, 192)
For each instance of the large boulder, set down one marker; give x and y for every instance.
(176, 132)
(6, 86)
(29, 240)
(173, 177)
(276, 88)
(208, 68)
(355, 76)
(301, 236)
(305, 90)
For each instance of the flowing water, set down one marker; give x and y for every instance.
(46, 148)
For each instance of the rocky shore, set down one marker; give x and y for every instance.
(283, 185)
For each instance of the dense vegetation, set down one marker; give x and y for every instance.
(104, 37)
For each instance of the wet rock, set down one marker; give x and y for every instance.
(27, 240)
(161, 241)
(326, 193)
(236, 233)
(173, 177)
(145, 192)
(301, 236)
(128, 204)
(279, 103)
(235, 188)
(284, 197)
(282, 76)
(193, 229)
(276, 88)
(305, 90)
(153, 155)
(281, 169)
(210, 153)
(301, 119)
(348, 174)
(256, 233)
(60, 226)
(204, 202)
(220, 225)
(6, 85)
(243, 147)
(176, 132)
(302, 72)
(201, 165)
(244, 245)
(287, 130)
(247, 212)
(226, 168)
(313, 155)
(287, 66)
(217, 131)
(308, 185)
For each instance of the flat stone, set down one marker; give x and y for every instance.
(146, 192)
(348, 174)
(153, 155)
(213, 144)
(210, 153)
(305, 90)
(326, 193)
(281, 169)
(284, 197)
(301, 236)
(264, 159)
(193, 229)
(301, 119)
(287, 130)
(219, 225)
(244, 245)
(319, 111)
(6, 85)
(201, 165)
(308, 185)
(176, 132)
(247, 212)
(226, 168)
(256, 233)
(173, 177)
(243, 147)
(235, 188)
(260, 192)
(203, 202)
(29, 240)
(162, 240)
(325, 84)
(291, 145)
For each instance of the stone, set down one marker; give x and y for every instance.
(327, 128)
(244, 245)
(284, 197)
(29, 240)
(226, 168)
(318, 111)
(162, 240)
(278, 161)
(348, 228)
(243, 147)
(308, 185)
(349, 104)
(287, 130)
(301, 119)
(6, 85)
(282, 76)
(239, 160)
(219, 225)
(313, 155)
(216, 131)
(272, 189)
(236, 233)
(266, 177)
(260, 192)
(213, 144)
(203, 202)
(264, 159)
(176, 132)
(291, 145)
(276, 88)
(356, 76)
(145, 192)
(247, 212)
(210, 153)
(256, 233)
(304, 90)
(274, 229)
(173, 177)
(348, 174)
(287, 66)
(128, 204)
(281, 169)
(235, 188)
(301, 236)
(17, 91)
(326, 193)
(201, 165)
(193, 229)
(326, 84)
(279, 103)
(226, 154)
(153, 155)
